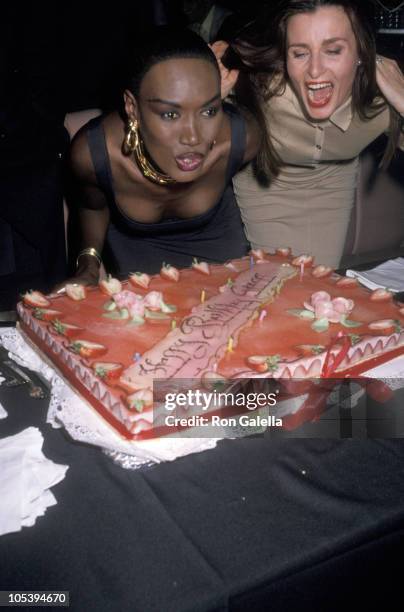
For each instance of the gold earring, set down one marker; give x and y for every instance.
(133, 144)
(131, 141)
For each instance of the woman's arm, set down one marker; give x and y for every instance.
(93, 212)
(390, 80)
(93, 227)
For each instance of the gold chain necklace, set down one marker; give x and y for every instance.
(133, 144)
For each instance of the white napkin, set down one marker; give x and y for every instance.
(25, 478)
(3, 412)
(389, 275)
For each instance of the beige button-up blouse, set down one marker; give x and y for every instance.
(308, 206)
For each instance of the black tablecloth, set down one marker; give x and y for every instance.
(263, 523)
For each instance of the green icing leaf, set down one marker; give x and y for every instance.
(38, 313)
(58, 326)
(137, 320)
(316, 349)
(118, 315)
(398, 326)
(272, 362)
(138, 405)
(152, 314)
(76, 346)
(348, 323)
(320, 325)
(354, 338)
(110, 305)
(168, 307)
(302, 313)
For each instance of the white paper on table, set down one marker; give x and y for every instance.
(25, 478)
(388, 275)
(10, 481)
(36, 507)
(3, 412)
(392, 373)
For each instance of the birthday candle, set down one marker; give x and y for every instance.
(173, 324)
(214, 367)
(137, 357)
(301, 271)
(262, 315)
(203, 296)
(230, 345)
(251, 262)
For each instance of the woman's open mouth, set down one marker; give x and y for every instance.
(187, 162)
(319, 94)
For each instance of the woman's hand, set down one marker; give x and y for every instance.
(84, 280)
(228, 77)
(88, 274)
(390, 80)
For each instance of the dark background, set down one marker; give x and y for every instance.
(79, 47)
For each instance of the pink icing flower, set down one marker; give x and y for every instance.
(126, 299)
(318, 296)
(325, 310)
(334, 310)
(153, 300)
(343, 305)
(136, 309)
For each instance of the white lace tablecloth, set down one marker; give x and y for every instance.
(68, 410)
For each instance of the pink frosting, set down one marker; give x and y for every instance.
(126, 299)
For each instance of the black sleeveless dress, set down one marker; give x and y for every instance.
(214, 236)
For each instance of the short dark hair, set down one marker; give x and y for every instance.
(163, 43)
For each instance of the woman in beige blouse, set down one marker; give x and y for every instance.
(326, 98)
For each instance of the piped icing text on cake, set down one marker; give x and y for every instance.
(202, 337)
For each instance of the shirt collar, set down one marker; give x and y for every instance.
(342, 117)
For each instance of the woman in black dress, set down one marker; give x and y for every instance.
(153, 183)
